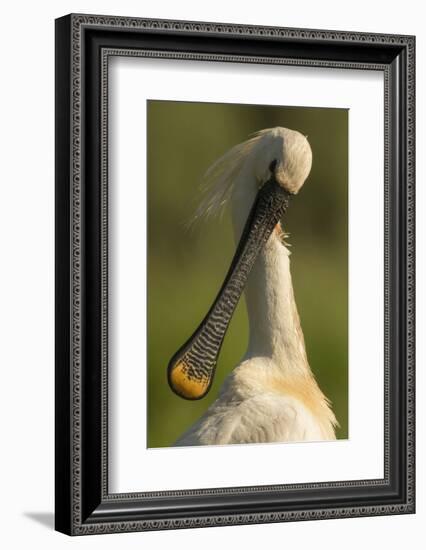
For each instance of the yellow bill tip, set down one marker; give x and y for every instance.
(186, 385)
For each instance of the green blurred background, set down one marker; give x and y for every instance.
(186, 268)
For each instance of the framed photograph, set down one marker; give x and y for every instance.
(234, 274)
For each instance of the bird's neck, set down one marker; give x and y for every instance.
(274, 325)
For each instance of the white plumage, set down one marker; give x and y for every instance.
(272, 395)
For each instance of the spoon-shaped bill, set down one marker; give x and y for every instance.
(191, 369)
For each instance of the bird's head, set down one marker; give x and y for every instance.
(260, 175)
(279, 152)
(283, 153)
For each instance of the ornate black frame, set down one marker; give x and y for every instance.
(83, 46)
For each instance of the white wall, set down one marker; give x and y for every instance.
(26, 289)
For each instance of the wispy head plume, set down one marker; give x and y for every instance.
(219, 180)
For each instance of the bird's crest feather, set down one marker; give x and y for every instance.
(219, 179)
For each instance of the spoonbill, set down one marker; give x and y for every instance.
(272, 395)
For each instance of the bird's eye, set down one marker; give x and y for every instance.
(273, 165)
